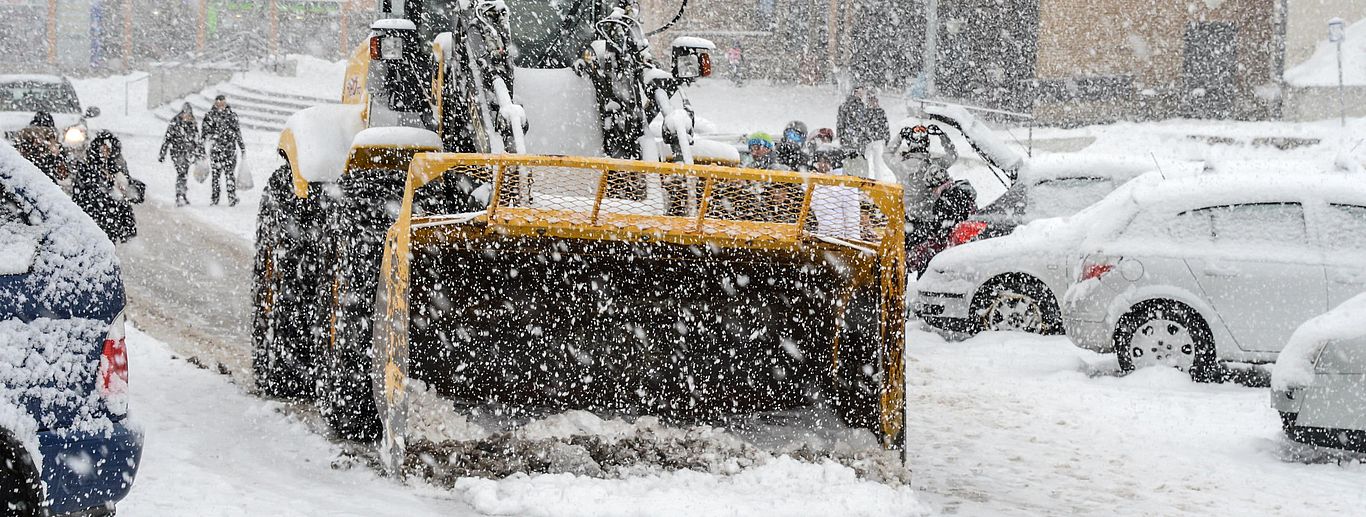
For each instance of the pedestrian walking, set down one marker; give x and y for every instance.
(41, 146)
(222, 132)
(182, 143)
(101, 188)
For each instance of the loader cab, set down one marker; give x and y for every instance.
(545, 34)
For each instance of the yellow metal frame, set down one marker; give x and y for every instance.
(783, 239)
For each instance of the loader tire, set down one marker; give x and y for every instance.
(357, 222)
(855, 392)
(283, 315)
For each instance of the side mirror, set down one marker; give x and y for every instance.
(92, 112)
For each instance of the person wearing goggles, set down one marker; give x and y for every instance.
(920, 172)
(792, 150)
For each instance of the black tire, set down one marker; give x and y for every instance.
(1172, 327)
(1033, 308)
(854, 391)
(284, 309)
(21, 490)
(357, 223)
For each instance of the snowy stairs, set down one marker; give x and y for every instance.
(256, 108)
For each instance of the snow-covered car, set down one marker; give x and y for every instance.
(22, 95)
(1217, 268)
(1050, 186)
(63, 365)
(1011, 282)
(1319, 383)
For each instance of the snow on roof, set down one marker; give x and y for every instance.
(1295, 365)
(1121, 168)
(398, 137)
(1321, 69)
(30, 78)
(1232, 187)
(394, 24)
(77, 256)
(693, 42)
(322, 139)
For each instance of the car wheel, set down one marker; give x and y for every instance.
(21, 491)
(1016, 304)
(1166, 334)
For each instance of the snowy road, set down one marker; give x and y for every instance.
(189, 280)
(212, 450)
(999, 425)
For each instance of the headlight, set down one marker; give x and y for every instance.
(390, 48)
(74, 135)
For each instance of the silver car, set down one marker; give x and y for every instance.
(22, 95)
(1319, 382)
(1220, 268)
(1011, 281)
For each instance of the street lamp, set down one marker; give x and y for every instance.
(1337, 32)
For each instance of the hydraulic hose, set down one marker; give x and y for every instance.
(679, 16)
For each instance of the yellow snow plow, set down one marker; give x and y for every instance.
(641, 287)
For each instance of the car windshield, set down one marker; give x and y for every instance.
(31, 96)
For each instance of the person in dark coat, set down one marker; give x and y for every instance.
(101, 188)
(182, 142)
(223, 139)
(41, 146)
(792, 147)
(851, 124)
(876, 121)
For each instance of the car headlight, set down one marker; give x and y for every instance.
(74, 135)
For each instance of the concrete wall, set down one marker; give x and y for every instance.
(167, 82)
(1143, 43)
(1321, 103)
(1306, 24)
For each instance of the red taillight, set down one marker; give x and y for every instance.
(1097, 270)
(113, 374)
(705, 60)
(966, 231)
(375, 53)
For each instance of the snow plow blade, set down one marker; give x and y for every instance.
(638, 287)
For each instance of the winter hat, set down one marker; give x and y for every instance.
(825, 134)
(42, 119)
(760, 138)
(795, 131)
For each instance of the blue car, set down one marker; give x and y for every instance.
(66, 446)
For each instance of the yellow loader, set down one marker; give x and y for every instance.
(430, 227)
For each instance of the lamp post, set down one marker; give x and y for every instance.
(1337, 32)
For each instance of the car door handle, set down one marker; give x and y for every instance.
(1349, 278)
(1220, 270)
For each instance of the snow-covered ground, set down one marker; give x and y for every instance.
(999, 425)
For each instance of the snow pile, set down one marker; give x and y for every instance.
(1295, 365)
(821, 489)
(322, 139)
(1321, 69)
